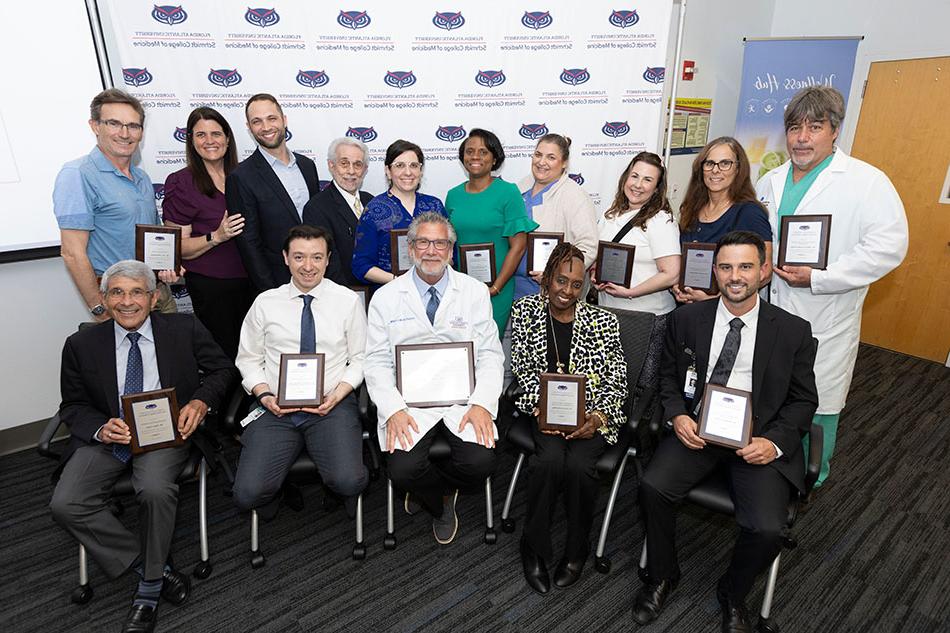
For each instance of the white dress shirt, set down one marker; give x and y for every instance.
(350, 200)
(150, 379)
(291, 178)
(272, 327)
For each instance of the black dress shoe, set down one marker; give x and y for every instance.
(176, 587)
(535, 572)
(568, 572)
(735, 616)
(650, 600)
(141, 619)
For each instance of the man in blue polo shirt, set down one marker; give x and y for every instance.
(99, 198)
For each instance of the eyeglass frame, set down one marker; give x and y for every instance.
(709, 165)
(418, 244)
(116, 126)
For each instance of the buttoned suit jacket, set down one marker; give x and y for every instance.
(331, 211)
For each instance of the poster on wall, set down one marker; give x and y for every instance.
(690, 125)
(773, 70)
(381, 71)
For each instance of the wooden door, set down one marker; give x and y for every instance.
(904, 129)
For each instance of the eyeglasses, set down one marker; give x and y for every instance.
(422, 244)
(345, 164)
(409, 166)
(135, 293)
(723, 165)
(115, 126)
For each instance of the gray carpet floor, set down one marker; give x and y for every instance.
(873, 554)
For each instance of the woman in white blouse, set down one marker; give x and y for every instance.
(640, 216)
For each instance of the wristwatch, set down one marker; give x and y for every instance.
(97, 310)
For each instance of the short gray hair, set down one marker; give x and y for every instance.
(346, 140)
(431, 217)
(130, 268)
(815, 103)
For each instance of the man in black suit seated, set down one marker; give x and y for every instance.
(743, 343)
(341, 203)
(269, 188)
(135, 351)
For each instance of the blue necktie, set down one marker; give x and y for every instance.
(134, 377)
(308, 345)
(433, 304)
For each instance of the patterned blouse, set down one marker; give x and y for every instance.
(595, 352)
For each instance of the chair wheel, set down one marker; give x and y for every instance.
(389, 542)
(766, 625)
(202, 570)
(643, 574)
(602, 564)
(491, 537)
(81, 594)
(359, 551)
(507, 526)
(257, 559)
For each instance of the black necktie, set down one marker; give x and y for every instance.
(727, 357)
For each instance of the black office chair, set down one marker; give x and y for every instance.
(196, 468)
(303, 470)
(635, 331)
(713, 494)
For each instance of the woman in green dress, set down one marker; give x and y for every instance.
(489, 209)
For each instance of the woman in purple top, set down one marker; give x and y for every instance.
(194, 200)
(391, 210)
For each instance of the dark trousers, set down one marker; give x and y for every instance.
(80, 506)
(568, 467)
(429, 481)
(220, 305)
(271, 445)
(760, 494)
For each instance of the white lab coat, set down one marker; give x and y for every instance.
(868, 240)
(397, 316)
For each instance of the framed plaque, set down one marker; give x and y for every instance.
(726, 416)
(399, 251)
(540, 245)
(615, 263)
(435, 374)
(563, 398)
(478, 261)
(697, 267)
(158, 246)
(152, 417)
(301, 380)
(805, 241)
(363, 293)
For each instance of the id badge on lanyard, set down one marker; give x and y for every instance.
(689, 387)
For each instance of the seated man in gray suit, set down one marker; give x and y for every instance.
(308, 315)
(135, 351)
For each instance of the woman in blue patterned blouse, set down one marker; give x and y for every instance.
(391, 210)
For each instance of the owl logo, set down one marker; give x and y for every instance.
(287, 134)
(448, 21)
(654, 75)
(262, 17)
(169, 14)
(365, 134)
(623, 19)
(353, 19)
(575, 76)
(136, 77)
(537, 19)
(312, 78)
(224, 77)
(578, 178)
(159, 191)
(533, 131)
(490, 78)
(399, 78)
(181, 134)
(450, 133)
(615, 129)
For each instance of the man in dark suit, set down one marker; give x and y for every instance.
(137, 350)
(740, 342)
(269, 188)
(339, 206)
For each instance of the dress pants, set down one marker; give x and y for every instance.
(568, 467)
(270, 446)
(429, 481)
(760, 494)
(221, 304)
(80, 505)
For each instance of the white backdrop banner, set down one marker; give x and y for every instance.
(411, 70)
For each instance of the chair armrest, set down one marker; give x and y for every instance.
(815, 447)
(512, 392)
(230, 423)
(43, 446)
(639, 407)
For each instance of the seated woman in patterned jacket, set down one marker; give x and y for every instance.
(554, 333)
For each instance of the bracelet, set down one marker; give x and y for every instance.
(262, 395)
(600, 416)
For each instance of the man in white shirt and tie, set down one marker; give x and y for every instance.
(431, 303)
(310, 314)
(339, 206)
